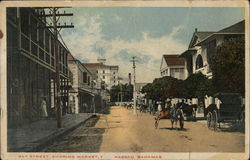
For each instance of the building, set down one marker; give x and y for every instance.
(31, 66)
(106, 75)
(173, 66)
(203, 46)
(81, 94)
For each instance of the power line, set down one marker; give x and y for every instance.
(54, 15)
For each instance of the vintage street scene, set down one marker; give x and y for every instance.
(125, 79)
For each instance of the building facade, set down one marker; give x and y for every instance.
(106, 75)
(81, 94)
(173, 66)
(31, 66)
(203, 46)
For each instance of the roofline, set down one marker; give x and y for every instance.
(77, 60)
(214, 34)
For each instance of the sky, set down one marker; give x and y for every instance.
(119, 33)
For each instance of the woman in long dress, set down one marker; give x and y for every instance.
(44, 112)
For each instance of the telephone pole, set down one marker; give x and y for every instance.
(134, 92)
(54, 16)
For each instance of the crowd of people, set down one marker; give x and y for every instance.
(155, 107)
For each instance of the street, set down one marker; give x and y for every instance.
(121, 131)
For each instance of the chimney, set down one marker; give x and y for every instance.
(129, 78)
(196, 30)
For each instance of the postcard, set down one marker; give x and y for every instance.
(124, 80)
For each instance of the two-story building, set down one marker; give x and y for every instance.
(173, 66)
(203, 46)
(31, 66)
(82, 93)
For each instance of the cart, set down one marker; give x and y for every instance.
(229, 110)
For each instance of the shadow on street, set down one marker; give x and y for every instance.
(86, 138)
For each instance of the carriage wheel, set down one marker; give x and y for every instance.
(215, 115)
(209, 120)
(242, 120)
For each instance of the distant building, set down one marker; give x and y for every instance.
(203, 46)
(139, 94)
(105, 75)
(173, 66)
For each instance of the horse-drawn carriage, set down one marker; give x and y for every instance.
(228, 108)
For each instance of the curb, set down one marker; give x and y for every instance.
(41, 144)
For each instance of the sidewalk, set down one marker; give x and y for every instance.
(37, 135)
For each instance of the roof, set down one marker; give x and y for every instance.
(199, 36)
(98, 65)
(93, 64)
(70, 57)
(236, 28)
(202, 35)
(174, 60)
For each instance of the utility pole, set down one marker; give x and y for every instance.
(120, 94)
(134, 92)
(54, 16)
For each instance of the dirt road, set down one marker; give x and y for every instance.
(121, 131)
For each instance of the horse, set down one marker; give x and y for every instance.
(190, 110)
(167, 113)
(178, 115)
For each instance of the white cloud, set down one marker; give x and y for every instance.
(81, 45)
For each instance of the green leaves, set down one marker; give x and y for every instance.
(228, 66)
(124, 90)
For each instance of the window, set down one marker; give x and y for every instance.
(114, 81)
(88, 80)
(47, 41)
(52, 46)
(84, 77)
(114, 72)
(199, 62)
(172, 72)
(103, 77)
(12, 13)
(24, 14)
(103, 71)
(41, 37)
(96, 71)
(114, 77)
(33, 27)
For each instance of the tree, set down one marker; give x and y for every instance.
(162, 88)
(228, 66)
(124, 90)
(197, 86)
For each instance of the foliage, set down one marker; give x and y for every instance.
(197, 85)
(163, 88)
(124, 90)
(228, 66)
